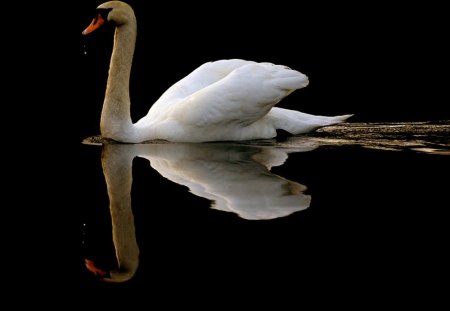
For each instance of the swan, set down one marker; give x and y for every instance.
(224, 100)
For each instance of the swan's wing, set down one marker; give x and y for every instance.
(242, 97)
(198, 79)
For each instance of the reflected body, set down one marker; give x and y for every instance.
(236, 178)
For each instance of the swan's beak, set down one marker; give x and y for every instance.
(96, 23)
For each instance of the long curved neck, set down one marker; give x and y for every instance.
(115, 120)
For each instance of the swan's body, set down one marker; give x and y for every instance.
(219, 101)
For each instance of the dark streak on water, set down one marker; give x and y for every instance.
(419, 136)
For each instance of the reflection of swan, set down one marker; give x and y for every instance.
(223, 100)
(236, 177)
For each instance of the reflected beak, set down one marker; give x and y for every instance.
(96, 271)
(95, 24)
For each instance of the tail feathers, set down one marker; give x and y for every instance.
(343, 117)
(325, 121)
(296, 122)
(321, 121)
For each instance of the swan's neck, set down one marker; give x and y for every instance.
(115, 120)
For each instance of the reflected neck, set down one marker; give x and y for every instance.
(117, 161)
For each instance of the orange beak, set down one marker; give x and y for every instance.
(96, 23)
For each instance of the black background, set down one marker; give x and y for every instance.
(381, 62)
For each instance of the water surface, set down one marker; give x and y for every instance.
(335, 199)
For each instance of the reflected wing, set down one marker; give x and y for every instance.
(229, 176)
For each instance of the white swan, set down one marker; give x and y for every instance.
(224, 100)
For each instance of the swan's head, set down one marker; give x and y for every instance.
(117, 12)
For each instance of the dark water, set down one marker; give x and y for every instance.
(360, 202)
